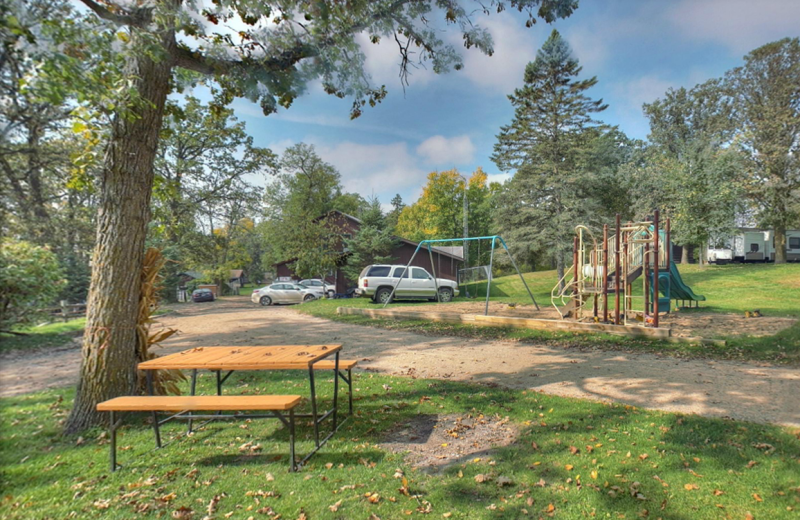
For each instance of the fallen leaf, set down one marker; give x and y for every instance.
(335, 507)
(374, 498)
(643, 456)
(270, 477)
(718, 492)
(504, 481)
(480, 478)
(447, 514)
(593, 474)
(689, 487)
(574, 450)
(757, 497)
(550, 508)
(568, 467)
(751, 464)
(182, 513)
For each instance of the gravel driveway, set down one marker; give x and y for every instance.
(753, 392)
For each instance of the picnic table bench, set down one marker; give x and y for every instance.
(230, 359)
(201, 403)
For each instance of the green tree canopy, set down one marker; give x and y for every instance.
(691, 174)
(30, 279)
(372, 244)
(766, 94)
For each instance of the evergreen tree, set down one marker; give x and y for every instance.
(551, 191)
(373, 244)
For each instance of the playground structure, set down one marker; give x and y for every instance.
(611, 267)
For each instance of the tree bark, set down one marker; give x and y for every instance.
(684, 254)
(108, 365)
(780, 244)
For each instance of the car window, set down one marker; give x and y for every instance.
(400, 272)
(363, 272)
(276, 287)
(419, 274)
(379, 270)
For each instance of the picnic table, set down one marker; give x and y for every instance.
(280, 357)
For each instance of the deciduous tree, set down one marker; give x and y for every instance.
(766, 94)
(281, 47)
(696, 175)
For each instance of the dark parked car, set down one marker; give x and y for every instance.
(202, 295)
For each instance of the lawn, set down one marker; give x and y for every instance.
(44, 336)
(773, 289)
(571, 459)
(728, 289)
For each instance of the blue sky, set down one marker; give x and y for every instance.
(636, 48)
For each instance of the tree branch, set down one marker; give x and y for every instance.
(139, 20)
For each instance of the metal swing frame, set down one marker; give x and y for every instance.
(493, 238)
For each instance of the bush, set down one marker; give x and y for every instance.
(30, 279)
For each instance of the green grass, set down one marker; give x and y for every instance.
(43, 336)
(579, 457)
(736, 288)
(728, 289)
(774, 289)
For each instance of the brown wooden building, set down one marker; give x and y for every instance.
(447, 261)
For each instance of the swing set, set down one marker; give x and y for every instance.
(486, 269)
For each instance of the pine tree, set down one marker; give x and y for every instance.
(551, 191)
(373, 244)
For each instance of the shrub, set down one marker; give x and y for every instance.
(30, 279)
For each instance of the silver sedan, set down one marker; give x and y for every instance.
(282, 293)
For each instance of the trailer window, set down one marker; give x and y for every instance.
(794, 242)
(754, 248)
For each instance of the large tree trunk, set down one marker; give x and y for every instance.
(780, 244)
(108, 366)
(685, 254)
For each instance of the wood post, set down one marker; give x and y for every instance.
(646, 273)
(616, 273)
(655, 268)
(605, 273)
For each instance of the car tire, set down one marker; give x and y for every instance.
(309, 298)
(265, 300)
(445, 295)
(330, 294)
(384, 295)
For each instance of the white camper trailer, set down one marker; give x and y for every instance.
(753, 245)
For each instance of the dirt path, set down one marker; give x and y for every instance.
(713, 388)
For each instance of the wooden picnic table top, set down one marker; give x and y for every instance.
(280, 357)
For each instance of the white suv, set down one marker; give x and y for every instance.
(319, 287)
(412, 283)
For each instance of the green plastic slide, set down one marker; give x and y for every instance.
(679, 290)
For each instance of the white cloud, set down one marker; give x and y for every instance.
(590, 50)
(439, 150)
(497, 177)
(514, 47)
(381, 170)
(383, 63)
(645, 89)
(741, 25)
